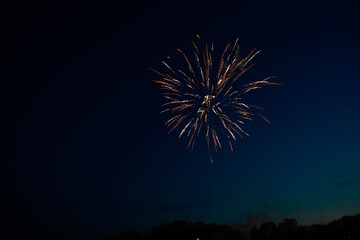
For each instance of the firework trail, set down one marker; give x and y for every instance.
(205, 97)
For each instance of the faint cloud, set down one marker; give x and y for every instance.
(252, 219)
(256, 218)
(321, 217)
(271, 209)
(175, 207)
(348, 182)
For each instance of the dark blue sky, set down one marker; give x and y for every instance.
(84, 148)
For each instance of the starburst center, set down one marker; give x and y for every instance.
(208, 102)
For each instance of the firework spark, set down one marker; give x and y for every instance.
(208, 98)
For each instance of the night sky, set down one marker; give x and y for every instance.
(84, 149)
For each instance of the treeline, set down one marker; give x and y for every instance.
(348, 227)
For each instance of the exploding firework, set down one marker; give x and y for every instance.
(206, 98)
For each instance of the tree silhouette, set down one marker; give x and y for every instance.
(268, 231)
(130, 235)
(287, 228)
(348, 227)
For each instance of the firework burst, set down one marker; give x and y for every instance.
(208, 98)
